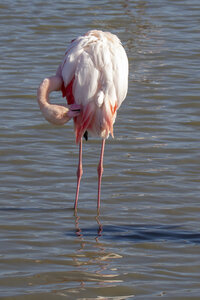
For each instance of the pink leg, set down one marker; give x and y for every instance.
(100, 172)
(79, 174)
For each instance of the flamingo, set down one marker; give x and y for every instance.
(93, 77)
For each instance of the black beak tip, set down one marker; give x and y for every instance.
(86, 135)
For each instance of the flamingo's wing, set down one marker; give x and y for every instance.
(72, 58)
(102, 73)
(95, 72)
(120, 74)
(99, 66)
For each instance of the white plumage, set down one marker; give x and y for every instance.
(96, 65)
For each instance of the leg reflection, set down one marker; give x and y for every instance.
(94, 260)
(100, 229)
(79, 232)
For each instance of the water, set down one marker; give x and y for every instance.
(146, 242)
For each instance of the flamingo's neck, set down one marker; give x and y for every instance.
(55, 114)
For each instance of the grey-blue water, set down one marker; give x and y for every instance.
(146, 242)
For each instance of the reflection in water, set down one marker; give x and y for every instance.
(99, 260)
(100, 230)
(140, 233)
(154, 187)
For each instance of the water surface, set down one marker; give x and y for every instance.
(146, 242)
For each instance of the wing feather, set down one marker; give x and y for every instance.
(98, 65)
(86, 79)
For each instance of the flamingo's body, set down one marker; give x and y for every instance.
(94, 78)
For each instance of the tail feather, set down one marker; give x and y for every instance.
(82, 122)
(98, 120)
(109, 113)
